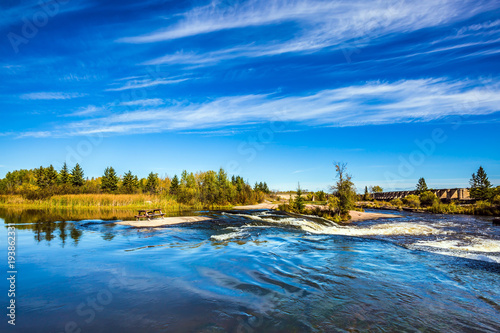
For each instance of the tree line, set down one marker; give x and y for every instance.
(209, 187)
(480, 189)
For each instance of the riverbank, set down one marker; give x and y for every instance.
(356, 216)
(480, 208)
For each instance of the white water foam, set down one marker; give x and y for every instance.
(228, 236)
(469, 247)
(476, 245)
(387, 229)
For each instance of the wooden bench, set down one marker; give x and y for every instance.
(148, 214)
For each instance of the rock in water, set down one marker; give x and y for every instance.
(496, 221)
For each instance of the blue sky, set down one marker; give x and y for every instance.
(270, 90)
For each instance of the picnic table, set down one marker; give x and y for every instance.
(148, 214)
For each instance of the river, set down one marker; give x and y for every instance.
(256, 271)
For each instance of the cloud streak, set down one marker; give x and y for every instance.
(315, 25)
(51, 95)
(143, 102)
(372, 103)
(146, 83)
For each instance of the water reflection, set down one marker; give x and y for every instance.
(53, 224)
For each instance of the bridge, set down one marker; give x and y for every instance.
(444, 194)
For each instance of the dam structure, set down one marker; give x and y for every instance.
(443, 194)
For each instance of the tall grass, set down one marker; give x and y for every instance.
(126, 201)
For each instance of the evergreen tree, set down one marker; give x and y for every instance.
(77, 176)
(298, 203)
(174, 186)
(109, 182)
(480, 186)
(130, 183)
(421, 186)
(64, 175)
(41, 181)
(222, 187)
(152, 183)
(265, 188)
(51, 175)
(366, 196)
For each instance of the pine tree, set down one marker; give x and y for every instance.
(265, 188)
(480, 186)
(366, 196)
(64, 175)
(41, 181)
(77, 176)
(222, 187)
(152, 183)
(298, 203)
(421, 186)
(174, 186)
(130, 183)
(51, 175)
(109, 182)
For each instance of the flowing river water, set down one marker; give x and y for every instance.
(256, 271)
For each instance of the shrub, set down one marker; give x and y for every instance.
(412, 200)
(496, 199)
(440, 208)
(33, 195)
(397, 202)
(428, 198)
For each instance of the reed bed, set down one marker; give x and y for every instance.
(96, 201)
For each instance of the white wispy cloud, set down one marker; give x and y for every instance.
(51, 95)
(138, 84)
(304, 170)
(313, 24)
(143, 102)
(36, 134)
(371, 103)
(87, 111)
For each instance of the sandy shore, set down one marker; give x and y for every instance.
(363, 216)
(164, 221)
(264, 205)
